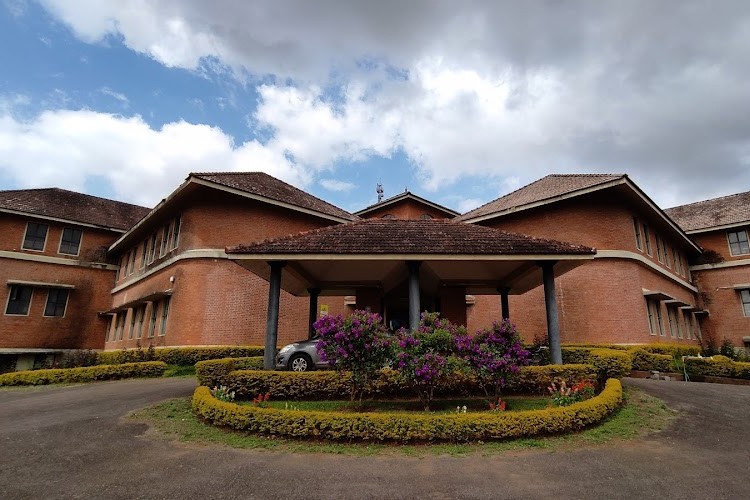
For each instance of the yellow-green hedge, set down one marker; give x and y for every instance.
(646, 361)
(330, 384)
(672, 350)
(177, 355)
(717, 366)
(213, 372)
(407, 427)
(609, 363)
(84, 374)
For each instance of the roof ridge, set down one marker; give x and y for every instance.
(708, 200)
(74, 192)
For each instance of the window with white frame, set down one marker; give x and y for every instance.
(152, 319)
(655, 325)
(35, 237)
(659, 249)
(166, 234)
(666, 254)
(637, 228)
(57, 301)
(738, 244)
(164, 316)
(70, 242)
(144, 254)
(175, 233)
(120, 325)
(152, 249)
(19, 300)
(689, 327)
(745, 298)
(139, 314)
(674, 322)
(647, 239)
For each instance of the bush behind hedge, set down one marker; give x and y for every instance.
(646, 361)
(330, 384)
(213, 372)
(84, 374)
(609, 363)
(177, 355)
(717, 366)
(408, 427)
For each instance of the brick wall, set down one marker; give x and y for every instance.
(406, 209)
(726, 318)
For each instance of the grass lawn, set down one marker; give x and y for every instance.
(641, 414)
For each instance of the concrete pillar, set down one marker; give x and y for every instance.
(553, 321)
(313, 315)
(414, 307)
(272, 319)
(504, 306)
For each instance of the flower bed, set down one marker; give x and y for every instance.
(177, 355)
(407, 427)
(84, 374)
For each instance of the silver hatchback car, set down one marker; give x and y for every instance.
(300, 356)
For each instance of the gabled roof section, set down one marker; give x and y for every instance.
(69, 206)
(546, 190)
(411, 237)
(265, 186)
(709, 215)
(407, 195)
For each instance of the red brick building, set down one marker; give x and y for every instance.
(84, 272)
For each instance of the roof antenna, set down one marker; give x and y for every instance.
(379, 190)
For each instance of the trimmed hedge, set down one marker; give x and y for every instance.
(672, 350)
(177, 355)
(330, 384)
(213, 372)
(646, 361)
(84, 374)
(717, 366)
(609, 363)
(406, 427)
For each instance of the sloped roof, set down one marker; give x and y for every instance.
(393, 236)
(262, 184)
(71, 206)
(546, 188)
(716, 212)
(407, 195)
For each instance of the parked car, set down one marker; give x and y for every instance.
(300, 356)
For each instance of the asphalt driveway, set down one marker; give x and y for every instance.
(71, 442)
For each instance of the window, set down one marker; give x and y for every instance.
(677, 261)
(131, 331)
(647, 239)
(175, 233)
(745, 298)
(659, 249)
(738, 244)
(19, 300)
(164, 316)
(70, 243)
(139, 313)
(131, 261)
(36, 236)
(166, 234)
(688, 317)
(144, 254)
(666, 254)
(674, 322)
(57, 300)
(152, 249)
(654, 317)
(637, 227)
(120, 325)
(111, 330)
(152, 320)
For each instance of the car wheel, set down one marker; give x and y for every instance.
(300, 363)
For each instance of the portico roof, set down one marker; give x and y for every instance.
(339, 259)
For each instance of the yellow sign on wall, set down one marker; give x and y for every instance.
(323, 310)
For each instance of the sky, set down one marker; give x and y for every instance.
(458, 102)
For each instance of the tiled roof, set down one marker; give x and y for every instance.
(384, 236)
(72, 206)
(262, 184)
(405, 196)
(733, 209)
(545, 188)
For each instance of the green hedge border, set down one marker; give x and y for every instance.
(717, 366)
(404, 427)
(213, 372)
(182, 356)
(83, 374)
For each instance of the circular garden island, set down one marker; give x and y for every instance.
(438, 384)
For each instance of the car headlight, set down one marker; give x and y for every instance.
(287, 348)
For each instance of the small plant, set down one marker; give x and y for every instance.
(261, 400)
(222, 393)
(564, 395)
(497, 406)
(727, 349)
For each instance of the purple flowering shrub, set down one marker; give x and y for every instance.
(358, 344)
(426, 356)
(495, 355)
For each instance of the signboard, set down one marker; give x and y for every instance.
(323, 310)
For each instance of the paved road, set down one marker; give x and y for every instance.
(71, 442)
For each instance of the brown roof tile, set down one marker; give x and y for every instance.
(72, 206)
(545, 188)
(262, 184)
(732, 209)
(383, 236)
(406, 195)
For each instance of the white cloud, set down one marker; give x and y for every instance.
(119, 96)
(336, 185)
(469, 204)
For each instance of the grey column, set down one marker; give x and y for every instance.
(414, 306)
(272, 320)
(504, 306)
(553, 322)
(313, 315)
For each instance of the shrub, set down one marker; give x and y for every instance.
(727, 349)
(717, 366)
(357, 344)
(645, 361)
(609, 363)
(407, 427)
(84, 374)
(674, 350)
(495, 354)
(213, 372)
(177, 355)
